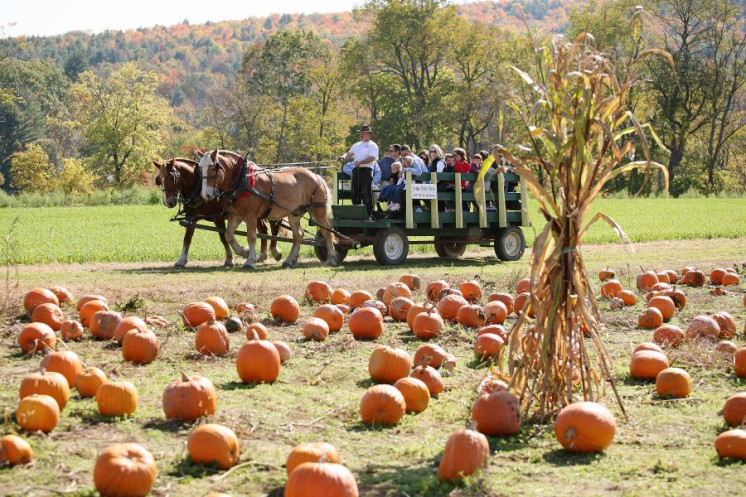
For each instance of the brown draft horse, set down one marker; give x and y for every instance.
(179, 177)
(293, 193)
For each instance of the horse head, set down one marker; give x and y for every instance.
(169, 180)
(213, 174)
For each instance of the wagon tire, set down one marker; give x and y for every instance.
(391, 246)
(510, 243)
(449, 250)
(321, 253)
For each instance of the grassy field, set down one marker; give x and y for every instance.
(143, 232)
(663, 447)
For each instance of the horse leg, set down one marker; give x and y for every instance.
(320, 217)
(251, 223)
(220, 224)
(273, 244)
(297, 239)
(261, 226)
(188, 233)
(233, 222)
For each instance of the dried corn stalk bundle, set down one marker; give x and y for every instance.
(581, 135)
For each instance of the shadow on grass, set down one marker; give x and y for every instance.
(95, 417)
(360, 426)
(561, 457)
(168, 425)
(238, 385)
(188, 468)
(365, 383)
(418, 478)
(506, 444)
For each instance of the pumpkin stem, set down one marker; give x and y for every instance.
(184, 377)
(472, 425)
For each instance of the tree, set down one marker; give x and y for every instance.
(75, 178)
(31, 171)
(123, 120)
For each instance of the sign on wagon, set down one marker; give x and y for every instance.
(424, 191)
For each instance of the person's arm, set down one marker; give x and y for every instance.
(346, 156)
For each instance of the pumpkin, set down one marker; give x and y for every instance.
(427, 325)
(46, 383)
(322, 478)
(333, 316)
(196, 313)
(257, 329)
(140, 346)
(219, 306)
(628, 297)
(88, 381)
(739, 362)
(726, 323)
(64, 296)
(343, 307)
(380, 292)
(38, 413)
(434, 288)
(319, 292)
(417, 309)
(650, 318)
(678, 297)
(731, 444)
(672, 276)
(15, 450)
(646, 280)
(646, 364)
(213, 443)
(673, 382)
(311, 452)
(315, 329)
(71, 330)
(430, 377)
(399, 308)
(126, 325)
(258, 361)
(606, 274)
(471, 316)
(387, 364)
(495, 329)
(35, 337)
(693, 278)
(497, 413)
(189, 398)
(284, 350)
(734, 410)
(703, 327)
(503, 297)
(660, 287)
(38, 296)
(396, 290)
(366, 322)
(471, 290)
(416, 393)
(647, 346)
(585, 427)
(523, 304)
(340, 296)
(487, 346)
(382, 405)
(663, 304)
(65, 362)
(104, 325)
(430, 354)
(117, 398)
(726, 348)
(376, 304)
(49, 314)
(731, 279)
(466, 452)
(233, 325)
(491, 384)
(89, 309)
(611, 289)
(87, 298)
(285, 309)
(716, 276)
(668, 335)
(449, 305)
(495, 312)
(358, 298)
(614, 304)
(212, 338)
(246, 311)
(412, 281)
(523, 286)
(124, 470)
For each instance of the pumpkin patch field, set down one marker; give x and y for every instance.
(129, 378)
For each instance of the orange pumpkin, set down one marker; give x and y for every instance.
(396, 290)
(663, 304)
(88, 381)
(38, 296)
(15, 450)
(606, 274)
(211, 338)
(650, 318)
(668, 335)
(434, 288)
(319, 292)
(716, 276)
(65, 362)
(726, 348)
(503, 297)
(412, 281)
(739, 362)
(430, 354)
(427, 325)
(673, 382)
(382, 405)
(449, 305)
(104, 325)
(340, 296)
(497, 414)
(358, 298)
(366, 323)
(126, 469)
(430, 377)
(734, 410)
(466, 452)
(646, 280)
(128, 324)
(471, 290)
(63, 294)
(491, 384)
(196, 313)
(646, 364)
(87, 298)
(495, 329)
(219, 306)
(315, 329)
(487, 346)
(35, 337)
(416, 393)
(376, 304)
(417, 309)
(258, 361)
(89, 309)
(284, 350)
(495, 312)
(726, 323)
(523, 286)
(611, 289)
(285, 309)
(703, 327)
(38, 413)
(731, 444)
(117, 398)
(327, 479)
(247, 311)
(628, 297)
(311, 452)
(213, 444)
(140, 346)
(647, 346)
(333, 316)
(471, 316)
(256, 330)
(387, 364)
(585, 427)
(731, 279)
(399, 308)
(46, 383)
(49, 314)
(678, 297)
(660, 287)
(71, 330)
(693, 278)
(189, 398)
(523, 304)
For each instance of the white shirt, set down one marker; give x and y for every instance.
(363, 150)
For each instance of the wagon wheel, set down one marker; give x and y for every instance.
(391, 246)
(321, 253)
(448, 249)
(510, 243)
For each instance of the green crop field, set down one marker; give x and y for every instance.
(143, 233)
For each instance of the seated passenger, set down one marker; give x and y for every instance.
(390, 186)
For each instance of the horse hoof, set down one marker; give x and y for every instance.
(262, 258)
(179, 265)
(248, 266)
(288, 264)
(331, 264)
(277, 256)
(228, 264)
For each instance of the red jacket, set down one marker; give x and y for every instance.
(462, 167)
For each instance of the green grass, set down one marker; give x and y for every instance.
(662, 448)
(143, 232)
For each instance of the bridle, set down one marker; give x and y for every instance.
(175, 178)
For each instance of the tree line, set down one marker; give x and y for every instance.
(420, 74)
